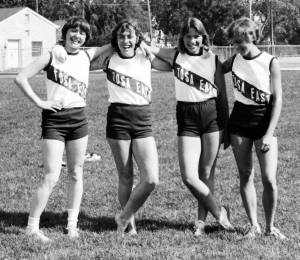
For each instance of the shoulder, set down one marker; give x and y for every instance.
(139, 55)
(227, 64)
(209, 54)
(269, 59)
(45, 60)
(84, 54)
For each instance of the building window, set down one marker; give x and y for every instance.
(37, 49)
(27, 19)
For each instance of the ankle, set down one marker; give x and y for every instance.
(72, 218)
(33, 223)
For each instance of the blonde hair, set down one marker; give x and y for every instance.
(243, 29)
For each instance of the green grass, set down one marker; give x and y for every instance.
(165, 222)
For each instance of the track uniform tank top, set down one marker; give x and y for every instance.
(68, 82)
(194, 77)
(251, 79)
(129, 80)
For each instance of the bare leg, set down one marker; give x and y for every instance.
(75, 151)
(210, 144)
(52, 158)
(242, 150)
(145, 153)
(189, 150)
(268, 166)
(122, 152)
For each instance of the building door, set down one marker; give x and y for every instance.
(13, 54)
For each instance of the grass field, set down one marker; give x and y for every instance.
(165, 222)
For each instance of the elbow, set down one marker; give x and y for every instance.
(18, 80)
(277, 101)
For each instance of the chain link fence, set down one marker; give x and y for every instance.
(225, 52)
(14, 59)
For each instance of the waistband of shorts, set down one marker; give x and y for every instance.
(242, 105)
(196, 103)
(64, 110)
(128, 105)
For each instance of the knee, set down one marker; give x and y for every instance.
(151, 184)
(246, 175)
(51, 179)
(205, 173)
(126, 178)
(188, 181)
(269, 184)
(75, 173)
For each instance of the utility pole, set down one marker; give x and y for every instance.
(250, 9)
(83, 11)
(37, 6)
(272, 31)
(150, 21)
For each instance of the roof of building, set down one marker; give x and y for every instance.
(7, 12)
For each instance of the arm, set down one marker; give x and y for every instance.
(227, 65)
(166, 54)
(222, 101)
(96, 54)
(103, 51)
(161, 65)
(22, 82)
(276, 89)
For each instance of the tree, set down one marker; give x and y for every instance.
(286, 20)
(214, 14)
(12, 3)
(103, 15)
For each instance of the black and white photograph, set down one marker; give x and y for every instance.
(150, 129)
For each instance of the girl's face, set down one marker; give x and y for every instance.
(127, 40)
(243, 47)
(244, 44)
(193, 41)
(75, 38)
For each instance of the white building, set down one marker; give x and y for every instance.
(24, 35)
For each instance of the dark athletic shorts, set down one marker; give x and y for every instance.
(197, 118)
(126, 122)
(249, 120)
(64, 125)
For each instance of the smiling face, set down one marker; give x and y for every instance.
(75, 38)
(127, 39)
(193, 41)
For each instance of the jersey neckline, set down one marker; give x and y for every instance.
(254, 57)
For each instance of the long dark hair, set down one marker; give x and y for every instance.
(75, 22)
(192, 23)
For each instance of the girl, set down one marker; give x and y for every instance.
(258, 94)
(64, 123)
(201, 113)
(129, 125)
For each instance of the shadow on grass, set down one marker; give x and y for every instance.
(94, 224)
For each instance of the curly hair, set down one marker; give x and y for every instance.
(243, 29)
(75, 22)
(196, 24)
(124, 25)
